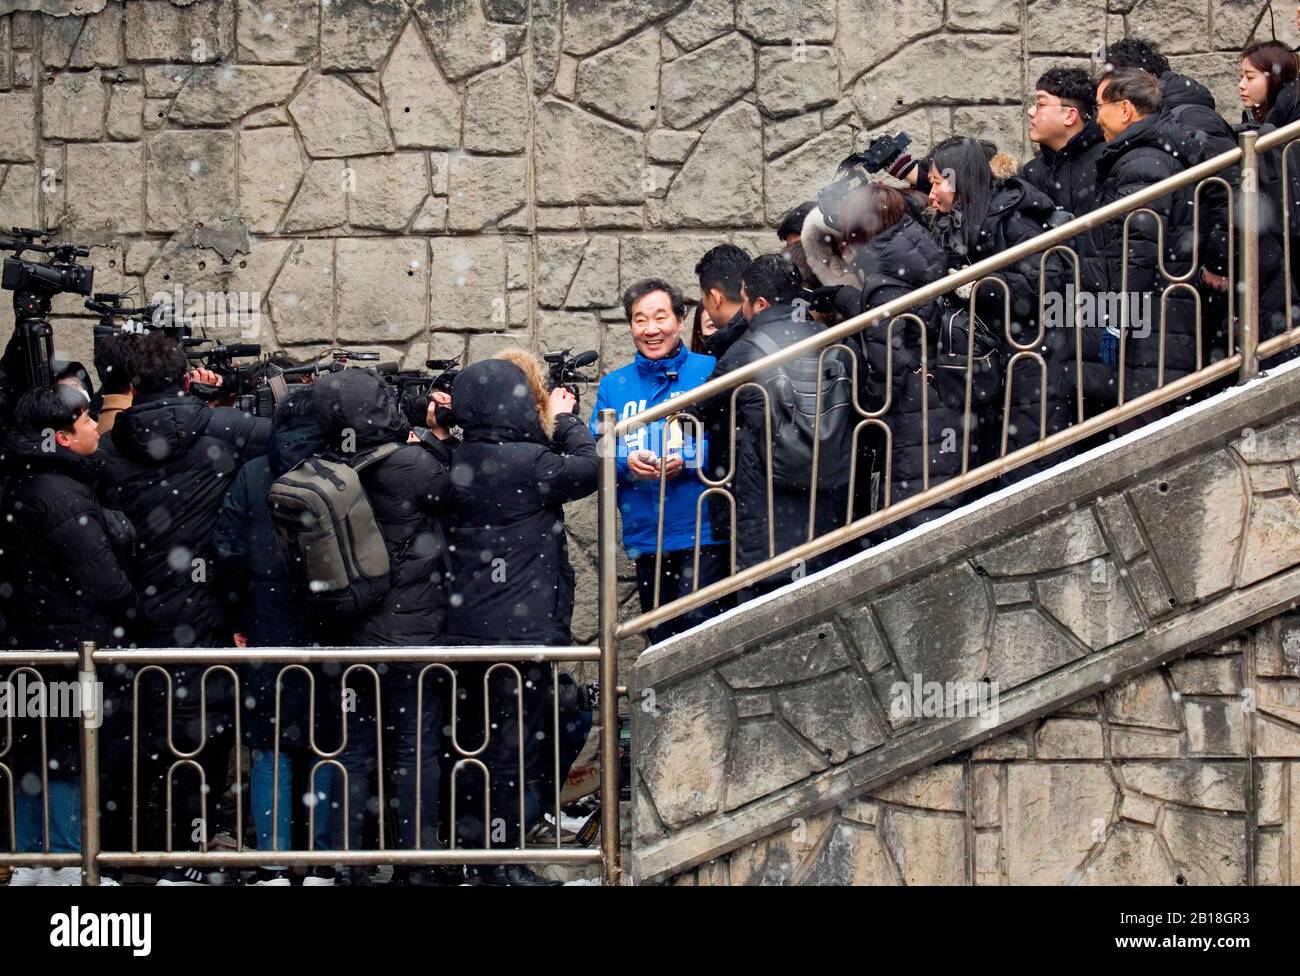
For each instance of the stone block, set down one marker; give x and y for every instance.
(623, 81)
(721, 183)
(1069, 738)
(468, 289)
(682, 748)
(18, 140)
(388, 190)
(301, 302)
(222, 94)
(277, 31)
(773, 22)
(1207, 849)
(938, 787)
(583, 159)
(701, 22)
(103, 187)
(484, 189)
(380, 286)
(356, 34)
(697, 85)
(1054, 813)
(198, 33)
(496, 110)
(125, 112)
(270, 170)
(985, 15)
(423, 110)
(794, 80)
(796, 176)
(73, 105)
(873, 30)
(191, 179)
(463, 39)
(335, 120)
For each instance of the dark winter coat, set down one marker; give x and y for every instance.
(409, 493)
(898, 261)
(790, 506)
(1272, 256)
(63, 577)
(255, 587)
(1017, 213)
(512, 581)
(170, 461)
(717, 434)
(1069, 175)
(1150, 150)
(1190, 105)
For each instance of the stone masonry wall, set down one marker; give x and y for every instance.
(1186, 775)
(446, 177)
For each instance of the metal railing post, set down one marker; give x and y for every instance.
(91, 719)
(1249, 308)
(607, 503)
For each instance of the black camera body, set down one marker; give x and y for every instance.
(856, 171)
(33, 285)
(563, 370)
(416, 387)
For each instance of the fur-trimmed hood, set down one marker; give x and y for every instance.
(503, 399)
(821, 247)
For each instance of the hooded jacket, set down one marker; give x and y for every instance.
(63, 576)
(515, 469)
(1190, 105)
(169, 463)
(895, 262)
(409, 493)
(642, 384)
(256, 591)
(1150, 150)
(1069, 175)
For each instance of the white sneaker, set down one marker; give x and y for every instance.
(26, 877)
(59, 877)
(312, 881)
(107, 882)
(280, 882)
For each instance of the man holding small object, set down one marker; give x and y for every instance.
(663, 368)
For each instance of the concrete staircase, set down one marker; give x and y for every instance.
(991, 699)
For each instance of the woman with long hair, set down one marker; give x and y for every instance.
(701, 328)
(977, 216)
(1268, 89)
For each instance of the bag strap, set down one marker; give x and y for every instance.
(366, 458)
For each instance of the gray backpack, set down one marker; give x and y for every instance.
(332, 547)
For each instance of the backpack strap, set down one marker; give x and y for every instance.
(366, 458)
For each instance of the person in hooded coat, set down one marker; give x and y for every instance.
(1143, 147)
(169, 462)
(263, 611)
(524, 454)
(977, 217)
(893, 255)
(64, 575)
(410, 494)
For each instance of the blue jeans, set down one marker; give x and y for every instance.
(65, 818)
(261, 789)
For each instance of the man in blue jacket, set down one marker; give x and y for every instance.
(663, 368)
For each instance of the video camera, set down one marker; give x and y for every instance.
(116, 318)
(563, 370)
(856, 171)
(33, 285)
(416, 387)
(236, 381)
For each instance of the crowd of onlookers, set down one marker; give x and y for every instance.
(137, 515)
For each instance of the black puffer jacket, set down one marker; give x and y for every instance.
(718, 433)
(1150, 150)
(61, 573)
(1190, 105)
(170, 461)
(409, 492)
(783, 326)
(512, 580)
(256, 591)
(900, 260)
(1017, 213)
(1069, 175)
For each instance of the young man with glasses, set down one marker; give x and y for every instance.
(1062, 124)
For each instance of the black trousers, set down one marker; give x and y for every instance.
(676, 579)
